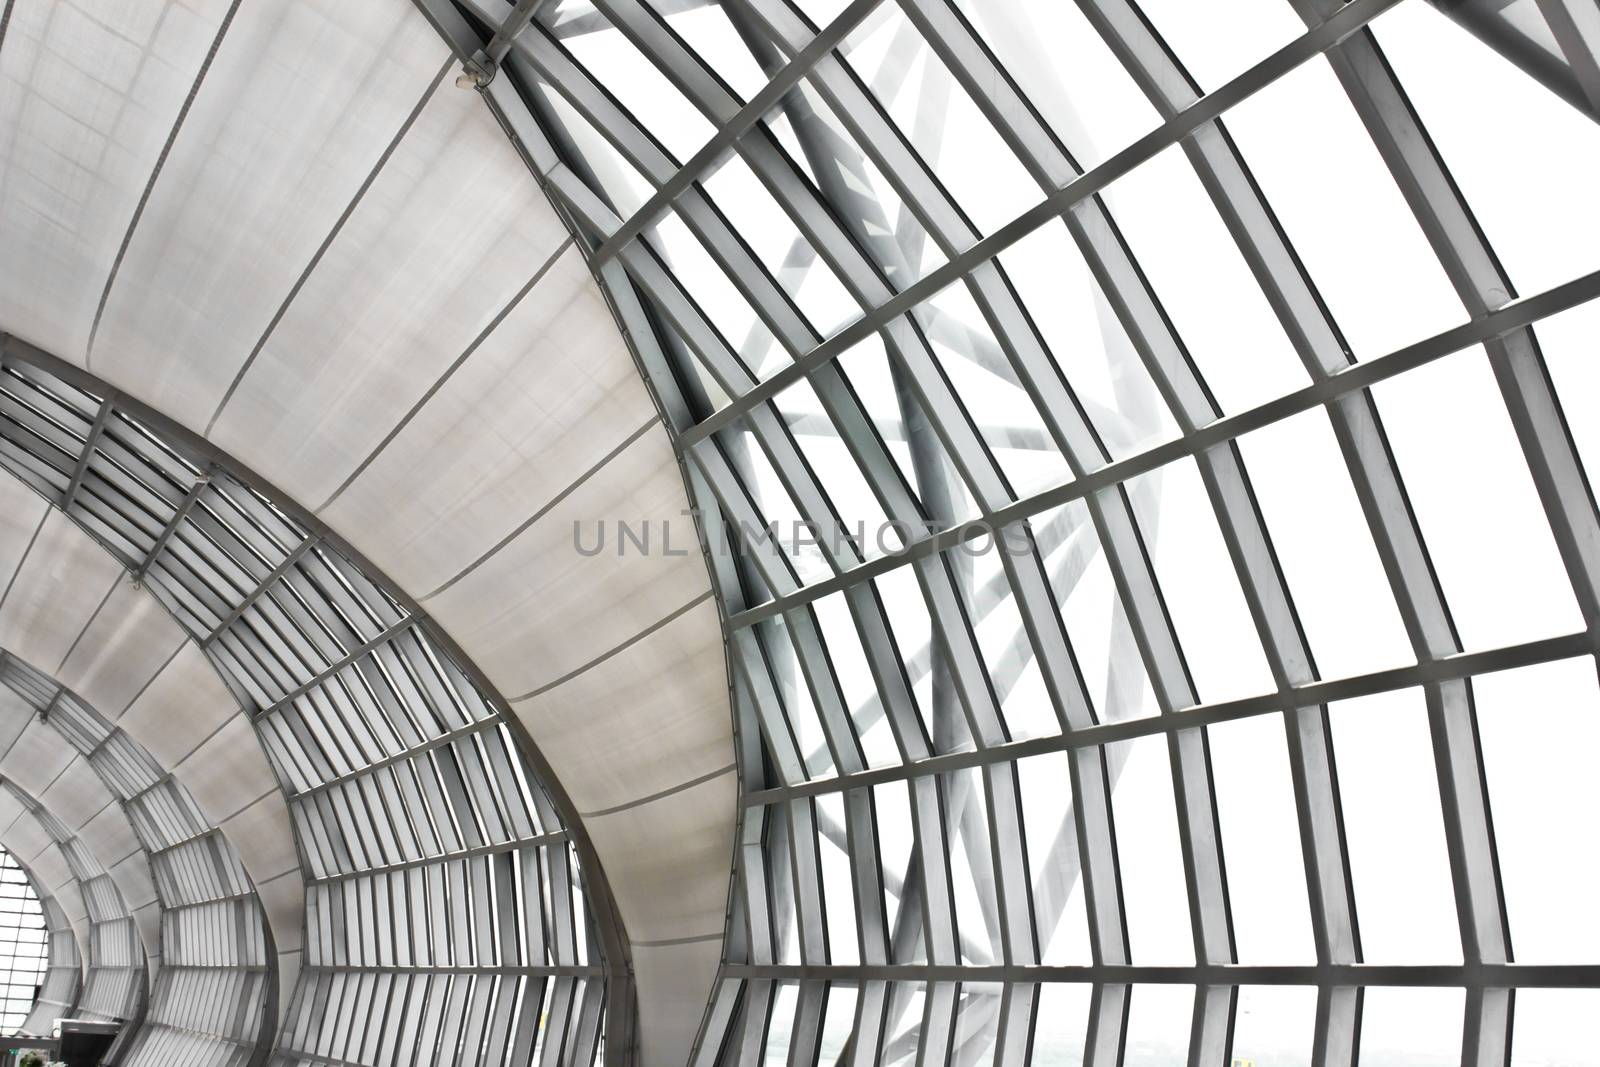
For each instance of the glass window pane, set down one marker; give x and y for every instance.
(1199, 585)
(1301, 137)
(1261, 841)
(1325, 547)
(1273, 1026)
(1539, 731)
(1476, 504)
(1177, 237)
(1149, 853)
(1530, 186)
(1411, 1027)
(1389, 793)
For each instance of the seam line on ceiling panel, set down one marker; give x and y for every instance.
(624, 646)
(246, 806)
(422, 401)
(23, 559)
(76, 756)
(668, 942)
(76, 641)
(667, 792)
(204, 741)
(155, 173)
(327, 242)
(286, 872)
(148, 682)
(536, 516)
(102, 809)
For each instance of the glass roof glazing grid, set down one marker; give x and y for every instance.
(993, 794)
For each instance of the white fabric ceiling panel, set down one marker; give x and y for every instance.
(133, 878)
(110, 836)
(149, 937)
(283, 897)
(50, 867)
(55, 593)
(299, 102)
(90, 91)
(650, 718)
(538, 608)
(288, 974)
(181, 708)
(76, 796)
(21, 512)
(27, 839)
(678, 977)
(297, 108)
(545, 397)
(228, 772)
(11, 809)
(15, 715)
(148, 920)
(39, 755)
(667, 859)
(262, 835)
(436, 249)
(70, 897)
(129, 640)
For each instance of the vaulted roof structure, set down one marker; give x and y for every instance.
(825, 532)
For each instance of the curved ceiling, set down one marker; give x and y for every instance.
(297, 338)
(428, 317)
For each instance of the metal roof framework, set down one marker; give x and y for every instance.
(439, 877)
(210, 990)
(870, 689)
(981, 810)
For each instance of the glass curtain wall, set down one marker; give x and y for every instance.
(1141, 453)
(26, 943)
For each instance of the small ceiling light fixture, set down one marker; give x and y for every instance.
(477, 72)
